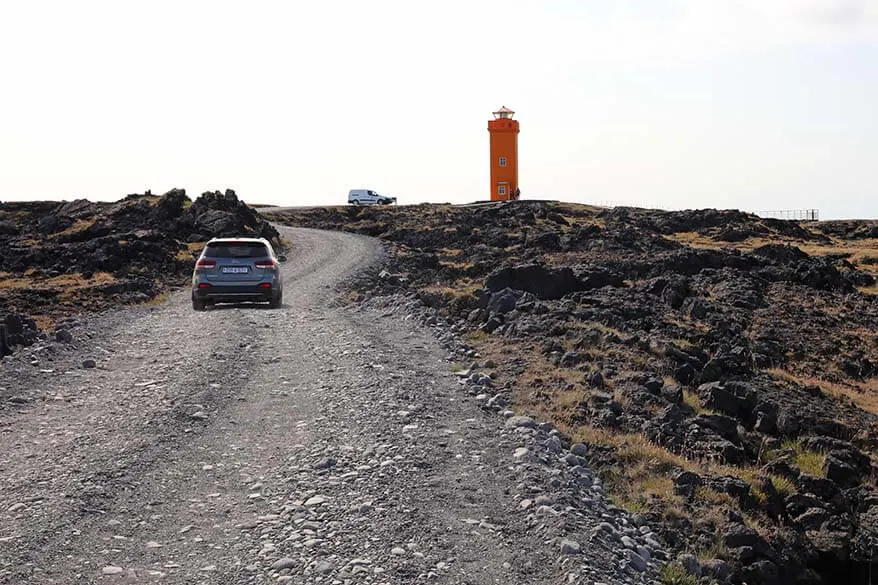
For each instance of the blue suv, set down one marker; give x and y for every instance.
(232, 270)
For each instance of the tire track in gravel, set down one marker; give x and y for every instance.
(88, 439)
(309, 444)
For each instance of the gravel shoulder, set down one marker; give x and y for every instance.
(316, 443)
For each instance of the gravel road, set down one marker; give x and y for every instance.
(316, 443)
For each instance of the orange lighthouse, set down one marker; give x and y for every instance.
(504, 155)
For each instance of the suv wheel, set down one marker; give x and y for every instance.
(276, 301)
(197, 305)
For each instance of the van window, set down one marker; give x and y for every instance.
(236, 250)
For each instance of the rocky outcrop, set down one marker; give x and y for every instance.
(732, 351)
(543, 282)
(83, 255)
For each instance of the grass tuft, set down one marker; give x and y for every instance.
(691, 400)
(862, 394)
(810, 462)
(477, 336)
(782, 485)
(157, 300)
(675, 574)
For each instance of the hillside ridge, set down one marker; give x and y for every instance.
(720, 366)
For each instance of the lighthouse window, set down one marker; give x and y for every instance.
(501, 190)
(502, 162)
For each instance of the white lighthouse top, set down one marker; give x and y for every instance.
(503, 112)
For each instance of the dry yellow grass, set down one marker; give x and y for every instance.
(541, 372)
(463, 288)
(632, 447)
(858, 250)
(64, 281)
(783, 486)
(695, 240)
(477, 336)
(457, 265)
(685, 322)
(811, 462)
(691, 400)
(641, 477)
(708, 496)
(583, 327)
(854, 250)
(44, 322)
(79, 225)
(450, 252)
(158, 300)
(191, 251)
(863, 394)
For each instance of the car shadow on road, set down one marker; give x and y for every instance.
(228, 306)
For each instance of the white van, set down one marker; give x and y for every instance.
(367, 197)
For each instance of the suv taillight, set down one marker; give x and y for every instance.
(266, 264)
(205, 263)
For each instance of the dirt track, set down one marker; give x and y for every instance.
(314, 443)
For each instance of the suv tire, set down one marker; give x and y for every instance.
(198, 305)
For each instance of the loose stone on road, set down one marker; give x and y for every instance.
(316, 443)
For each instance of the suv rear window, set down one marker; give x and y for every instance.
(236, 250)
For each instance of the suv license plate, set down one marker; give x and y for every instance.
(235, 269)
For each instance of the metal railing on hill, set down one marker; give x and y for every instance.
(794, 214)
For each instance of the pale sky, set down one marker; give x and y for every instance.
(748, 104)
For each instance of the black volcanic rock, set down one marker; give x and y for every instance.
(674, 291)
(78, 209)
(503, 301)
(545, 283)
(171, 206)
(849, 230)
(51, 224)
(8, 228)
(20, 329)
(725, 426)
(137, 245)
(735, 399)
(780, 253)
(744, 313)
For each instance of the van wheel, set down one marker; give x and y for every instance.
(355, 202)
